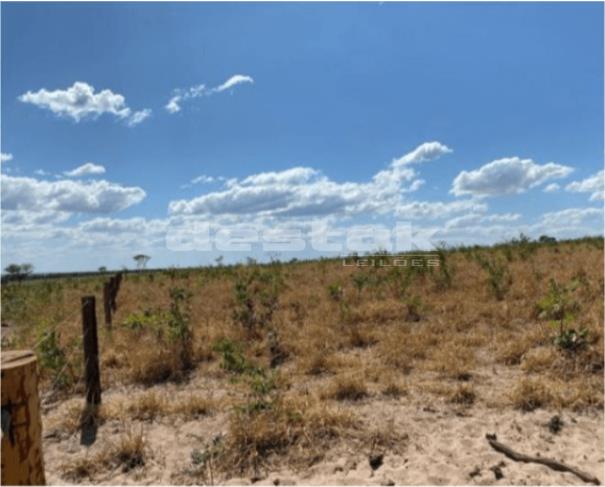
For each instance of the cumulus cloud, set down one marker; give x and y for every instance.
(592, 184)
(423, 153)
(26, 217)
(29, 194)
(510, 175)
(86, 169)
(80, 102)
(5, 157)
(135, 231)
(473, 219)
(181, 95)
(432, 210)
(570, 216)
(552, 188)
(305, 192)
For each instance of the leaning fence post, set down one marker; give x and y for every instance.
(91, 351)
(107, 303)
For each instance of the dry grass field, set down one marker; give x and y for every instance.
(319, 373)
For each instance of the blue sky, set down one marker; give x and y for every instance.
(310, 102)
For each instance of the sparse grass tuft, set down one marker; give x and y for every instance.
(346, 388)
(193, 406)
(530, 394)
(147, 406)
(463, 394)
(295, 427)
(129, 451)
(394, 389)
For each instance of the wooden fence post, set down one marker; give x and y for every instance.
(91, 351)
(107, 303)
(117, 283)
(113, 291)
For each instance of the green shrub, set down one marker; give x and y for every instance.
(360, 280)
(443, 278)
(413, 308)
(179, 324)
(560, 307)
(499, 277)
(52, 358)
(256, 295)
(335, 291)
(233, 359)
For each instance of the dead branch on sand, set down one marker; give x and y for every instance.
(549, 462)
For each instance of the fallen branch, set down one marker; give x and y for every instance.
(520, 457)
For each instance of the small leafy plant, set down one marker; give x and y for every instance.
(443, 278)
(360, 280)
(256, 298)
(560, 308)
(179, 325)
(413, 307)
(53, 358)
(233, 359)
(499, 277)
(335, 291)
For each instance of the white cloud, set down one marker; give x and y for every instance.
(5, 157)
(203, 179)
(570, 216)
(29, 194)
(233, 81)
(552, 188)
(423, 153)
(137, 117)
(86, 169)
(592, 184)
(433, 210)
(473, 219)
(293, 176)
(113, 230)
(305, 192)
(510, 175)
(173, 104)
(25, 217)
(80, 102)
(181, 95)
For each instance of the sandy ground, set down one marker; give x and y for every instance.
(439, 444)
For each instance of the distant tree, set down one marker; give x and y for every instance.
(19, 271)
(547, 239)
(219, 261)
(27, 269)
(141, 260)
(13, 269)
(102, 269)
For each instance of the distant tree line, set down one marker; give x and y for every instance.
(19, 271)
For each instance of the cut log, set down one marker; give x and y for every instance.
(22, 461)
